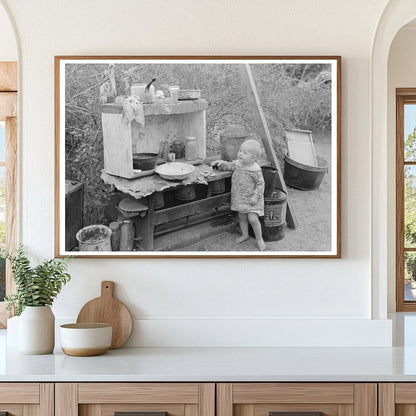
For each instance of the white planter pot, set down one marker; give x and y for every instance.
(37, 330)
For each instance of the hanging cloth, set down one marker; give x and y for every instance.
(133, 110)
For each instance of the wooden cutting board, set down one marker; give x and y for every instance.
(108, 310)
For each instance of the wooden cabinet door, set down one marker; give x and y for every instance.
(26, 399)
(297, 399)
(397, 399)
(145, 399)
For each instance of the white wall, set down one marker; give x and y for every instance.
(401, 74)
(8, 47)
(203, 302)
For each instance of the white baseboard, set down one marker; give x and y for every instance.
(254, 332)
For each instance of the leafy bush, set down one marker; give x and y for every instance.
(35, 286)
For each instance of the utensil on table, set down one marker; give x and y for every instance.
(146, 89)
(109, 310)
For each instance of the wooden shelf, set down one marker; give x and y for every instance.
(162, 107)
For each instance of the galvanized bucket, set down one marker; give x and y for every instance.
(94, 238)
(275, 207)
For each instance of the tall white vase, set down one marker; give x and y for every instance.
(37, 330)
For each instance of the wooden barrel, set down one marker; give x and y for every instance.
(159, 200)
(185, 193)
(218, 187)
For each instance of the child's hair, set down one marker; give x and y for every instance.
(254, 147)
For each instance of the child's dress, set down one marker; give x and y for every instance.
(245, 184)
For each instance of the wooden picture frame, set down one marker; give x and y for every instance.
(108, 116)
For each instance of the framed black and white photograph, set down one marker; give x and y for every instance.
(198, 156)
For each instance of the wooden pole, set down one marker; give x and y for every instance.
(263, 129)
(11, 196)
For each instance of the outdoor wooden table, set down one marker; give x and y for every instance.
(148, 186)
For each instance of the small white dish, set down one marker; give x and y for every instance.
(175, 171)
(84, 340)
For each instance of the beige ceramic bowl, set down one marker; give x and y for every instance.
(83, 340)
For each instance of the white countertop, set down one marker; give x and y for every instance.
(222, 364)
(215, 364)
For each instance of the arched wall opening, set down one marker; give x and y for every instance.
(401, 74)
(396, 15)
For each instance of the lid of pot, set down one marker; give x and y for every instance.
(130, 204)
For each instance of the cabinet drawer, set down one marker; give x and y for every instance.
(138, 393)
(107, 399)
(19, 393)
(297, 399)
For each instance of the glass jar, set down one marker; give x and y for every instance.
(178, 148)
(174, 93)
(165, 150)
(191, 149)
(127, 235)
(115, 235)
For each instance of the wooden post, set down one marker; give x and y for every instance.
(148, 224)
(263, 129)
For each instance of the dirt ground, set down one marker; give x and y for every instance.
(313, 213)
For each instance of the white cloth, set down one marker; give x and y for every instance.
(133, 110)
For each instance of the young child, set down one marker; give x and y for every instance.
(247, 189)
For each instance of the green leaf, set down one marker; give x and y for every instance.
(35, 286)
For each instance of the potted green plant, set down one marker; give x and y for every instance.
(36, 289)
